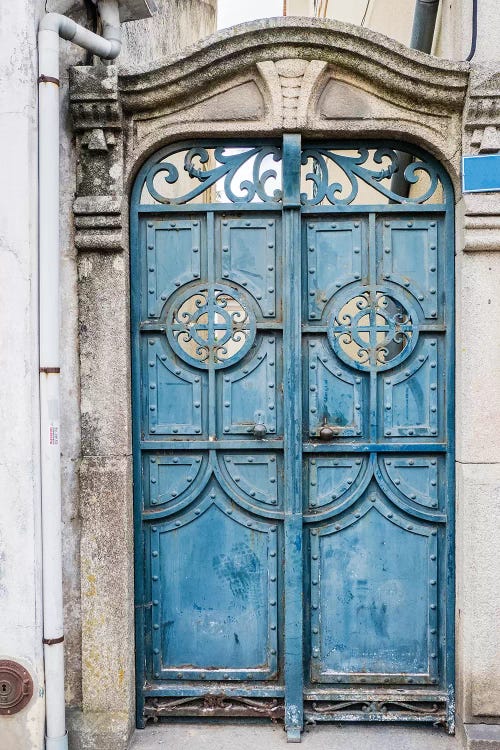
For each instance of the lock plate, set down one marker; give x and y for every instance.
(16, 687)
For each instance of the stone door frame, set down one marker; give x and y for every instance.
(263, 79)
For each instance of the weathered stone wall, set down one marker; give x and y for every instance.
(478, 414)
(177, 25)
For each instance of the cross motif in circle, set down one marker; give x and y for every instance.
(211, 326)
(372, 342)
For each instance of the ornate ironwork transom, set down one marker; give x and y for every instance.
(211, 326)
(211, 173)
(237, 175)
(373, 330)
(335, 176)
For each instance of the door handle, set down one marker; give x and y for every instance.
(327, 432)
(259, 430)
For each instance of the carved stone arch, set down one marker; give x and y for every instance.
(259, 79)
(271, 76)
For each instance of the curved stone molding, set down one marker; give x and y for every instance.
(412, 75)
(260, 78)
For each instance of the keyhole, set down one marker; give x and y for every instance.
(5, 691)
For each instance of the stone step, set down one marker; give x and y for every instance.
(228, 736)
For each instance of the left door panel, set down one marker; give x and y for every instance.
(210, 353)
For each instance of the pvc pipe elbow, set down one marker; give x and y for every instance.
(110, 16)
(61, 25)
(114, 50)
(107, 46)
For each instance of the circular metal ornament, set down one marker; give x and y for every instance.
(373, 329)
(211, 326)
(16, 687)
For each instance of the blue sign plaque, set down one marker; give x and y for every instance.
(481, 174)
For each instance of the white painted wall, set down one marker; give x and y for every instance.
(20, 594)
(230, 13)
(453, 29)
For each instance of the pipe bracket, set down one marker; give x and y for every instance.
(53, 641)
(48, 79)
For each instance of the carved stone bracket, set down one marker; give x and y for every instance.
(482, 113)
(97, 121)
(482, 136)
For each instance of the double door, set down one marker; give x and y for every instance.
(293, 480)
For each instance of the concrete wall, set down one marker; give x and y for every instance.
(179, 24)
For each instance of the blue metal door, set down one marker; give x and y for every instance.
(292, 323)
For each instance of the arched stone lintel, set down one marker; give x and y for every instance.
(321, 78)
(411, 75)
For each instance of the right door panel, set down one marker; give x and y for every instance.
(375, 370)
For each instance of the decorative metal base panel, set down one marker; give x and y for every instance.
(386, 711)
(219, 706)
(214, 706)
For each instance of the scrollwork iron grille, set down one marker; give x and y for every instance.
(243, 174)
(211, 326)
(373, 330)
(336, 176)
(239, 175)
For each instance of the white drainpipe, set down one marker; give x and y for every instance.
(52, 27)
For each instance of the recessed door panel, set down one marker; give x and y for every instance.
(250, 257)
(334, 259)
(251, 392)
(410, 258)
(335, 395)
(374, 579)
(214, 604)
(417, 477)
(175, 394)
(413, 394)
(174, 253)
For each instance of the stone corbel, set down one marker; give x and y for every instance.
(97, 122)
(482, 136)
(291, 82)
